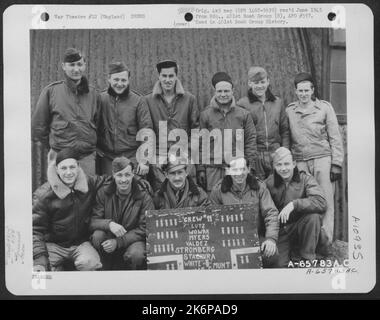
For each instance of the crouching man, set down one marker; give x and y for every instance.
(179, 190)
(240, 186)
(61, 214)
(301, 203)
(118, 219)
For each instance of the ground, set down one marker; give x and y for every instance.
(339, 251)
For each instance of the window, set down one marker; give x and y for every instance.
(338, 94)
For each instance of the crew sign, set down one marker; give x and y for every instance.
(215, 237)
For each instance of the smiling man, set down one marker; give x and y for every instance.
(123, 114)
(301, 203)
(118, 219)
(224, 115)
(316, 146)
(66, 113)
(269, 117)
(169, 102)
(240, 186)
(179, 189)
(61, 214)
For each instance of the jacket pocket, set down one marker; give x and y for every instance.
(86, 131)
(62, 133)
(60, 125)
(132, 131)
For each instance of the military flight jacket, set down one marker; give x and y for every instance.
(66, 116)
(270, 120)
(315, 132)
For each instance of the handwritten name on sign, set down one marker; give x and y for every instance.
(215, 237)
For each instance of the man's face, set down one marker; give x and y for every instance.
(223, 92)
(259, 87)
(304, 91)
(167, 78)
(74, 70)
(119, 81)
(123, 179)
(177, 177)
(238, 171)
(68, 171)
(285, 167)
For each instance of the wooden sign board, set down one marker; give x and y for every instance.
(215, 237)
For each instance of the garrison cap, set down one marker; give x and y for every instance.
(280, 153)
(72, 55)
(257, 73)
(120, 163)
(175, 161)
(116, 67)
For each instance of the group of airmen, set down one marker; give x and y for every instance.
(90, 214)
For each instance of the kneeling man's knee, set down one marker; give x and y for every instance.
(135, 257)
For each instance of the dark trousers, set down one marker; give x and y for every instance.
(131, 258)
(296, 241)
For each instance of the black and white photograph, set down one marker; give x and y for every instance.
(189, 152)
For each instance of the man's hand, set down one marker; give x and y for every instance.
(335, 173)
(117, 229)
(109, 246)
(201, 179)
(97, 238)
(285, 212)
(268, 248)
(142, 169)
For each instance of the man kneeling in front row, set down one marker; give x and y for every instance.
(301, 203)
(61, 212)
(241, 186)
(118, 219)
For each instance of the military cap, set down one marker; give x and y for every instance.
(280, 153)
(220, 76)
(120, 163)
(67, 153)
(175, 162)
(257, 73)
(303, 76)
(166, 64)
(116, 67)
(72, 55)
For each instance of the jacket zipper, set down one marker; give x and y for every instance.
(75, 213)
(266, 128)
(115, 130)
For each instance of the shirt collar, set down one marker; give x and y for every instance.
(216, 106)
(314, 105)
(178, 88)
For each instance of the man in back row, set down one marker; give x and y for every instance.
(122, 114)
(269, 117)
(316, 146)
(169, 102)
(234, 124)
(67, 112)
